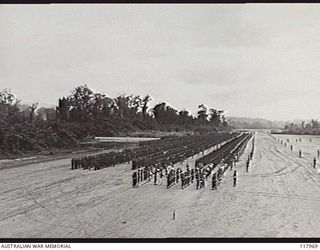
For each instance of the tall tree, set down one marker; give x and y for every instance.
(314, 123)
(159, 112)
(122, 106)
(63, 109)
(171, 115)
(215, 116)
(185, 118)
(135, 103)
(81, 100)
(9, 105)
(144, 103)
(202, 113)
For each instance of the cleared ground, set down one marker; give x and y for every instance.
(279, 197)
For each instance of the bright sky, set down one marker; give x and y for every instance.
(255, 60)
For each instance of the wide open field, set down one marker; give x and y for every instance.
(279, 197)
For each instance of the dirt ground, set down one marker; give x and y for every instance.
(277, 198)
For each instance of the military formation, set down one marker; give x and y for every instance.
(154, 161)
(201, 171)
(227, 154)
(161, 153)
(185, 149)
(100, 161)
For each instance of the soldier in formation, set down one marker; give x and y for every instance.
(231, 164)
(134, 179)
(192, 175)
(155, 176)
(220, 174)
(143, 175)
(183, 180)
(247, 165)
(235, 178)
(214, 181)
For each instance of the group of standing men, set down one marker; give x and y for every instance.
(198, 174)
(141, 175)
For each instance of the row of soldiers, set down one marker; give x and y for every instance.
(185, 177)
(173, 176)
(99, 161)
(162, 151)
(232, 157)
(180, 154)
(217, 156)
(142, 175)
(202, 174)
(145, 151)
(250, 157)
(199, 174)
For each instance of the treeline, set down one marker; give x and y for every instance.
(85, 114)
(304, 128)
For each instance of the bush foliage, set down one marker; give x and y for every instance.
(85, 114)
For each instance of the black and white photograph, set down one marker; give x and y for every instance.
(159, 121)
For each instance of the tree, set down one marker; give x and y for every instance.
(9, 105)
(171, 115)
(144, 104)
(86, 113)
(314, 123)
(164, 114)
(134, 104)
(202, 113)
(159, 112)
(63, 109)
(215, 117)
(184, 117)
(80, 101)
(122, 106)
(101, 106)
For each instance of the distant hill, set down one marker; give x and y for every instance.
(255, 123)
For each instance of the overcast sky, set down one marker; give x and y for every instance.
(252, 60)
